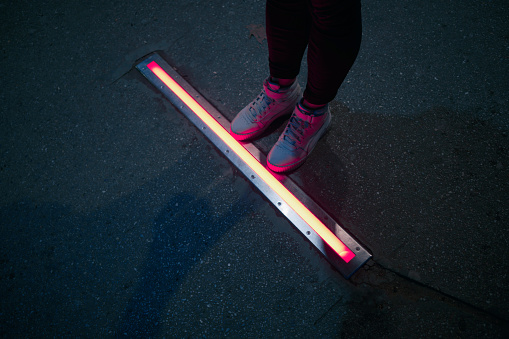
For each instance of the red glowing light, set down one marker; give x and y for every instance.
(330, 238)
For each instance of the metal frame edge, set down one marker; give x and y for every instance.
(362, 255)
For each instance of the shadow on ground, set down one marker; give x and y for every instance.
(58, 264)
(182, 233)
(426, 193)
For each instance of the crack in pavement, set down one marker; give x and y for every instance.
(396, 285)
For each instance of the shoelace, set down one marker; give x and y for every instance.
(260, 105)
(295, 130)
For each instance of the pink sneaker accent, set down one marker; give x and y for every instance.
(273, 102)
(299, 138)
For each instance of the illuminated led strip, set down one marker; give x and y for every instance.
(330, 238)
(338, 247)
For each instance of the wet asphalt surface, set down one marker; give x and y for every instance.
(119, 219)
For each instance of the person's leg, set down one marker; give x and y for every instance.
(288, 23)
(334, 43)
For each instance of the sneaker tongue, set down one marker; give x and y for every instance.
(304, 114)
(273, 90)
(273, 86)
(310, 115)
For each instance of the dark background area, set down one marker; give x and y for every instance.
(119, 218)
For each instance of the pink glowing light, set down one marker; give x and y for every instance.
(263, 173)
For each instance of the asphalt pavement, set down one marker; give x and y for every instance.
(119, 219)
